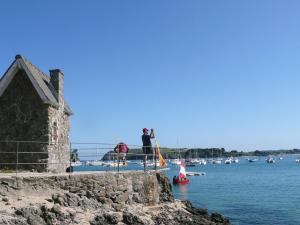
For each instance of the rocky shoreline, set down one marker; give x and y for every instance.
(97, 199)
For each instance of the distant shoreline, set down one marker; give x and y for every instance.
(173, 153)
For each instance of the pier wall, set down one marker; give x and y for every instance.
(96, 198)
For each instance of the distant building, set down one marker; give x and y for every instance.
(33, 109)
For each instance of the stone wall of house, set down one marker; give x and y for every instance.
(59, 127)
(45, 129)
(59, 149)
(23, 117)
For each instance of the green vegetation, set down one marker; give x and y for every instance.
(172, 153)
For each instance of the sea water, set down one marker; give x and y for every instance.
(246, 193)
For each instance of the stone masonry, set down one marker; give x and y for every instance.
(97, 198)
(34, 112)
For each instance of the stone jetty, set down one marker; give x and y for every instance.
(96, 198)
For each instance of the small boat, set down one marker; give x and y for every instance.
(181, 178)
(163, 169)
(181, 181)
(252, 160)
(202, 162)
(189, 174)
(176, 162)
(270, 160)
(148, 164)
(190, 165)
(77, 163)
(96, 163)
(235, 160)
(115, 164)
(228, 161)
(217, 161)
(298, 160)
(195, 161)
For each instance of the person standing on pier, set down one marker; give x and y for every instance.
(122, 149)
(147, 145)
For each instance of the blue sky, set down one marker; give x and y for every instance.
(201, 73)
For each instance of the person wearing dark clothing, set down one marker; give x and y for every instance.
(147, 146)
(70, 169)
(146, 138)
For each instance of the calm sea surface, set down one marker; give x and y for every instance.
(246, 193)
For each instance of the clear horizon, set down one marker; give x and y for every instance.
(201, 73)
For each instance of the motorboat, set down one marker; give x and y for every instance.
(217, 161)
(96, 163)
(189, 174)
(115, 164)
(298, 160)
(252, 160)
(75, 164)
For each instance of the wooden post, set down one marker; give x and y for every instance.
(155, 160)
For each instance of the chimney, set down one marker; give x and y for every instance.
(57, 80)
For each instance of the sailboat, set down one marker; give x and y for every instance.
(270, 160)
(181, 178)
(228, 161)
(176, 161)
(202, 162)
(235, 160)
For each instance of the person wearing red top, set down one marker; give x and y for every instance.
(122, 149)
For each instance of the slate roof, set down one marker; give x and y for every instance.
(40, 81)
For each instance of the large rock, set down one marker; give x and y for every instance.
(42, 215)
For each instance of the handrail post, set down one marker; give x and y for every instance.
(118, 157)
(17, 163)
(70, 161)
(145, 163)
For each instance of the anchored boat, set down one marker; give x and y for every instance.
(181, 178)
(228, 161)
(77, 163)
(252, 160)
(270, 160)
(189, 174)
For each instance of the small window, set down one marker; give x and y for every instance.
(54, 133)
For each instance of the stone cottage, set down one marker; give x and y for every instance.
(33, 110)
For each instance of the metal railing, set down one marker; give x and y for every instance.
(96, 152)
(36, 156)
